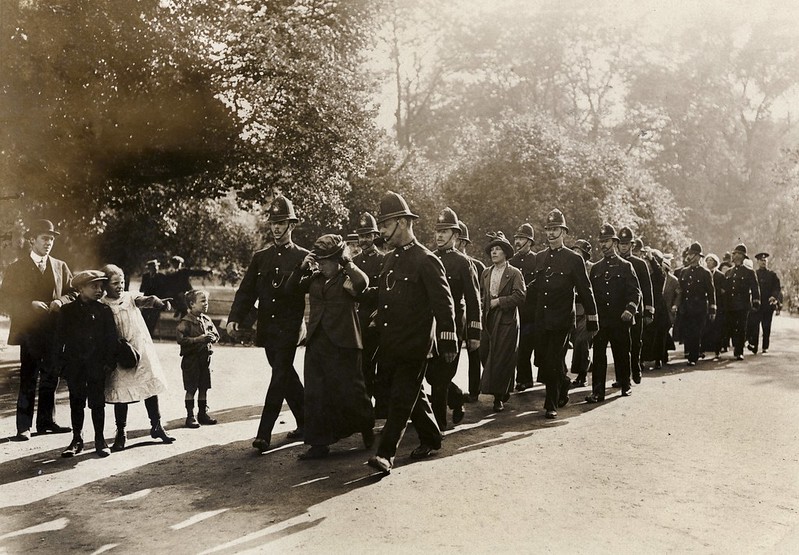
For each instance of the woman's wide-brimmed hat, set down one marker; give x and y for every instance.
(498, 240)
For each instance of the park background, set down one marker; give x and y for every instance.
(149, 128)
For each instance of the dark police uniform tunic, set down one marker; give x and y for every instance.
(474, 356)
(743, 293)
(770, 287)
(463, 285)
(646, 308)
(698, 301)
(280, 315)
(559, 274)
(525, 262)
(616, 289)
(412, 291)
(370, 261)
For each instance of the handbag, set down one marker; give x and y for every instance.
(127, 355)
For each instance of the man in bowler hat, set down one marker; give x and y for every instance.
(33, 290)
(280, 314)
(416, 319)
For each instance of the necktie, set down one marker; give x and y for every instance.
(42, 265)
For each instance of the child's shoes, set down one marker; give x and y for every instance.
(191, 422)
(75, 447)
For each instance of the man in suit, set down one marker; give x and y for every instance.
(474, 356)
(770, 300)
(280, 314)
(618, 295)
(33, 290)
(524, 260)
(560, 274)
(743, 295)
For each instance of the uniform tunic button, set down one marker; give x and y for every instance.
(385, 324)
(385, 306)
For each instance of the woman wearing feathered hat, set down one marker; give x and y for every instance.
(503, 293)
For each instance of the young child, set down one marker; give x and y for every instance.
(146, 380)
(195, 334)
(86, 343)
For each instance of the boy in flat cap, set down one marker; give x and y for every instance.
(33, 290)
(86, 347)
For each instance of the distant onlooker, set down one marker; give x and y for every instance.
(152, 284)
(176, 281)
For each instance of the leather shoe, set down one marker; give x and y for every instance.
(506, 398)
(261, 444)
(551, 414)
(119, 440)
(422, 452)
(524, 386)
(637, 377)
(22, 436)
(75, 447)
(615, 384)
(469, 398)
(578, 383)
(296, 434)
(315, 452)
(52, 428)
(457, 415)
(101, 448)
(593, 399)
(368, 437)
(690, 363)
(751, 348)
(498, 406)
(626, 392)
(739, 357)
(206, 419)
(380, 463)
(191, 422)
(158, 432)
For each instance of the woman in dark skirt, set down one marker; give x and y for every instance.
(336, 402)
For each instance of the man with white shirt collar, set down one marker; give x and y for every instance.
(33, 290)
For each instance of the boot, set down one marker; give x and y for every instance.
(119, 440)
(158, 432)
(101, 447)
(191, 422)
(203, 417)
(75, 447)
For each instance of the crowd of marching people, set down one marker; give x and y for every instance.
(382, 322)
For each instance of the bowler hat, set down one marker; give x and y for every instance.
(39, 227)
(606, 232)
(282, 210)
(328, 246)
(366, 224)
(556, 219)
(498, 240)
(741, 249)
(464, 231)
(583, 246)
(87, 276)
(626, 235)
(525, 231)
(392, 205)
(447, 219)
(762, 255)
(127, 355)
(695, 248)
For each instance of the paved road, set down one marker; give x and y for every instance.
(702, 460)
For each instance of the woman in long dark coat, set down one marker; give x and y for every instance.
(503, 293)
(336, 403)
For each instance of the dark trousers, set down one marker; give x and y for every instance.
(524, 366)
(619, 339)
(443, 393)
(737, 321)
(402, 382)
(150, 404)
(34, 367)
(81, 391)
(151, 317)
(636, 333)
(371, 339)
(693, 325)
(284, 385)
(757, 319)
(552, 370)
(581, 358)
(474, 372)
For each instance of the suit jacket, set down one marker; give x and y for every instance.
(332, 304)
(19, 290)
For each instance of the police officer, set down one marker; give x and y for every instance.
(698, 301)
(465, 291)
(770, 300)
(618, 296)
(524, 260)
(412, 292)
(645, 313)
(581, 337)
(560, 273)
(743, 294)
(474, 356)
(280, 315)
(370, 261)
